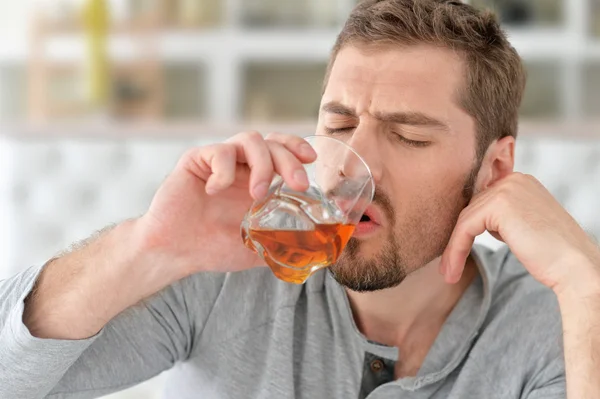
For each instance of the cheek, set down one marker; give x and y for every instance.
(428, 196)
(428, 180)
(430, 170)
(425, 220)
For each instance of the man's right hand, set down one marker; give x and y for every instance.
(192, 225)
(195, 216)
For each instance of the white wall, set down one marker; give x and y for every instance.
(6, 217)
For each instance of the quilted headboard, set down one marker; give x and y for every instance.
(58, 190)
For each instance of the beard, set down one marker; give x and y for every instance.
(422, 238)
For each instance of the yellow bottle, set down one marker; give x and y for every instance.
(96, 23)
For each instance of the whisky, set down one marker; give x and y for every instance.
(293, 255)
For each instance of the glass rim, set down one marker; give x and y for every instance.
(349, 147)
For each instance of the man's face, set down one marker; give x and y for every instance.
(398, 107)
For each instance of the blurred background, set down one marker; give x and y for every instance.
(98, 99)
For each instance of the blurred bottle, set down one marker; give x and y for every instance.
(96, 25)
(516, 12)
(197, 13)
(275, 13)
(595, 18)
(144, 12)
(191, 13)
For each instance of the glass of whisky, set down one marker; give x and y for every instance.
(298, 233)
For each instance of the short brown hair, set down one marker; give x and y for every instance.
(495, 76)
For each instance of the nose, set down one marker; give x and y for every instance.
(365, 145)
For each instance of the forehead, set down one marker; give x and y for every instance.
(410, 78)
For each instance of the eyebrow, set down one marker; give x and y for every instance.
(401, 118)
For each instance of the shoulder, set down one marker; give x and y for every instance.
(523, 322)
(515, 294)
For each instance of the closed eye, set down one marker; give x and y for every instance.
(409, 142)
(413, 143)
(329, 130)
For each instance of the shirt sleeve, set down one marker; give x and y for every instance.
(138, 344)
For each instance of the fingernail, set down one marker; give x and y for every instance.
(300, 177)
(260, 190)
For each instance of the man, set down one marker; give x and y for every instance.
(428, 92)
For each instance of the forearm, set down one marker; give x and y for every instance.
(77, 294)
(580, 310)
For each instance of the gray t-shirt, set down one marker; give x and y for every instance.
(249, 335)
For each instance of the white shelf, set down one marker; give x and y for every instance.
(223, 52)
(191, 46)
(314, 44)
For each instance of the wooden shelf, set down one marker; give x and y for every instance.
(126, 77)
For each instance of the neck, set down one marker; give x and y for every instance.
(405, 315)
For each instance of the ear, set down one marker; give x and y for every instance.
(498, 162)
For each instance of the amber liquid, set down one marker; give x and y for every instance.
(302, 251)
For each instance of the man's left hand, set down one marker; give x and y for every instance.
(520, 211)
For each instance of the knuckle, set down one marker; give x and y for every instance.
(502, 197)
(273, 136)
(532, 178)
(191, 153)
(247, 136)
(285, 139)
(252, 135)
(216, 150)
(226, 149)
(221, 181)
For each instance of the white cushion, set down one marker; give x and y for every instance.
(54, 191)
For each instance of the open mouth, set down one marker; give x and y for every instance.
(371, 216)
(367, 225)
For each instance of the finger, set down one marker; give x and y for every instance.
(252, 149)
(296, 145)
(497, 236)
(288, 166)
(474, 220)
(475, 203)
(471, 223)
(221, 160)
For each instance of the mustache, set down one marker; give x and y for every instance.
(382, 199)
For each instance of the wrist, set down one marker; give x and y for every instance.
(581, 280)
(149, 266)
(79, 292)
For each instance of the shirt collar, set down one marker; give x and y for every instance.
(456, 336)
